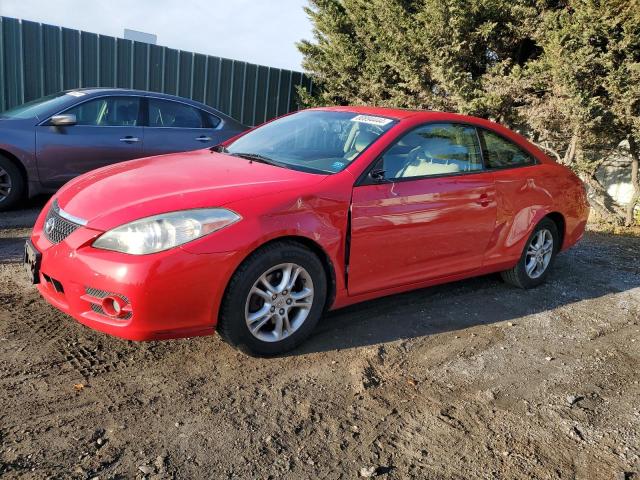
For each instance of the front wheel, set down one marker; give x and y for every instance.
(538, 255)
(274, 299)
(12, 184)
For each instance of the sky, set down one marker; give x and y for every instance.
(263, 32)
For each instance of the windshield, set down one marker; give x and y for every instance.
(318, 141)
(37, 108)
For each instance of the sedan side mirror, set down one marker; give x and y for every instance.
(377, 175)
(63, 120)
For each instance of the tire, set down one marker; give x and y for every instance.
(12, 184)
(522, 277)
(281, 317)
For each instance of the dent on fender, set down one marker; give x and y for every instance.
(523, 222)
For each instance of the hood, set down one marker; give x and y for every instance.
(124, 192)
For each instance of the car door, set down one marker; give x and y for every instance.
(178, 127)
(431, 216)
(107, 130)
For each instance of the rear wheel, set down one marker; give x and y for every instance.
(538, 255)
(274, 299)
(12, 184)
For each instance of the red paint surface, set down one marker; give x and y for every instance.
(404, 235)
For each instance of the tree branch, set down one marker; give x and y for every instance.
(635, 182)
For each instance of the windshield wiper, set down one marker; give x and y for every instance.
(256, 157)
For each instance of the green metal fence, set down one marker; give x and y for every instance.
(37, 59)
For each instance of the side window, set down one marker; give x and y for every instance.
(212, 120)
(107, 112)
(165, 113)
(501, 153)
(436, 149)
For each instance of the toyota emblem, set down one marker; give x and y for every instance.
(50, 225)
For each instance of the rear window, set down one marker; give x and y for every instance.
(501, 153)
(212, 120)
(166, 113)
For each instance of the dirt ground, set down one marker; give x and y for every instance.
(473, 379)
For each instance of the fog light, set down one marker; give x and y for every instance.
(113, 306)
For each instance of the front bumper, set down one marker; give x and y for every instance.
(169, 294)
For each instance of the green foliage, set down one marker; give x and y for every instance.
(565, 72)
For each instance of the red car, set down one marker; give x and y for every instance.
(313, 211)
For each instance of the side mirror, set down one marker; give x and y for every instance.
(377, 175)
(63, 120)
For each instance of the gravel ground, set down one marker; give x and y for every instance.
(467, 380)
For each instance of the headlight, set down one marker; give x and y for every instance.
(168, 230)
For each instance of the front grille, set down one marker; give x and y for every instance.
(97, 293)
(98, 309)
(56, 227)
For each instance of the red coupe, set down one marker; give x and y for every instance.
(316, 210)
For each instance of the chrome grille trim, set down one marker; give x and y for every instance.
(72, 218)
(98, 309)
(62, 228)
(100, 294)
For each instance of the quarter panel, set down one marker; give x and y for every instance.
(523, 198)
(526, 195)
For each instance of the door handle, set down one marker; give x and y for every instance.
(130, 139)
(203, 138)
(483, 200)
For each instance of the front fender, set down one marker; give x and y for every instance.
(320, 219)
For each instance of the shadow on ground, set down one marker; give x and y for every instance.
(576, 276)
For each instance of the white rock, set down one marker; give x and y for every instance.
(146, 469)
(367, 472)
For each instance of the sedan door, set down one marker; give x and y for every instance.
(179, 127)
(431, 217)
(107, 130)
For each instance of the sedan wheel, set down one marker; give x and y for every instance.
(539, 253)
(279, 302)
(5, 184)
(12, 184)
(537, 257)
(274, 299)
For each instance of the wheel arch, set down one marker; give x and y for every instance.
(312, 245)
(560, 222)
(18, 164)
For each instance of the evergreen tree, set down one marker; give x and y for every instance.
(566, 73)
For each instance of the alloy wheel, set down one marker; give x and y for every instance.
(5, 184)
(279, 302)
(539, 253)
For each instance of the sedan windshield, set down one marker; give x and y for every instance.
(317, 141)
(39, 107)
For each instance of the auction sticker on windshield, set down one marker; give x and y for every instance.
(370, 119)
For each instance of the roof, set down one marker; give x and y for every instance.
(404, 113)
(91, 90)
(419, 115)
(396, 113)
(133, 91)
(427, 116)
